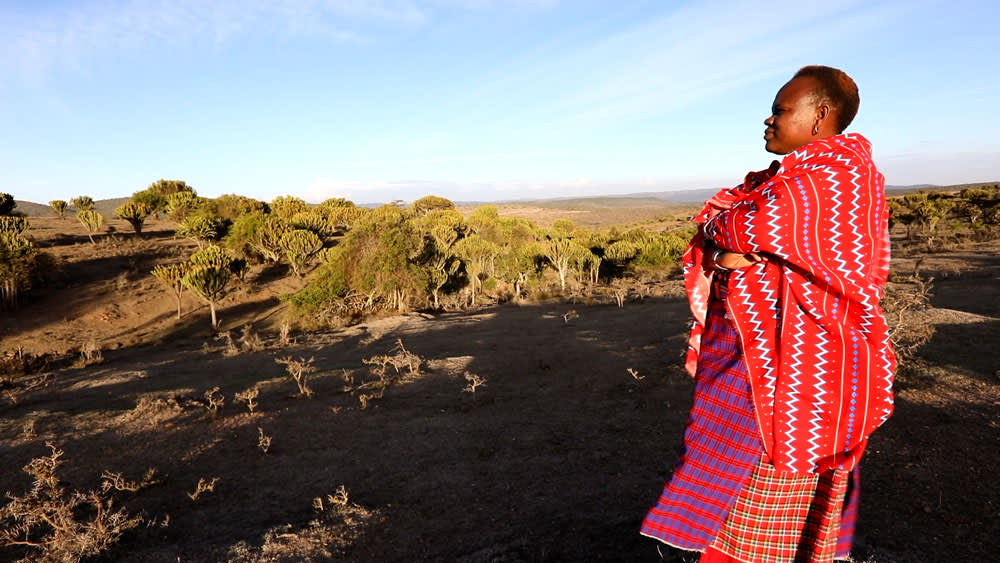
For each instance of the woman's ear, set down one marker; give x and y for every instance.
(822, 113)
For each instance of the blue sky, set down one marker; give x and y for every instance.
(471, 99)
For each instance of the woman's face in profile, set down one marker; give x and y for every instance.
(794, 113)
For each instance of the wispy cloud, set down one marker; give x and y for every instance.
(683, 56)
(37, 39)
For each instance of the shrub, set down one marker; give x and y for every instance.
(377, 260)
(287, 206)
(202, 228)
(157, 194)
(328, 284)
(344, 217)
(82, 203)
(135, 213)
(208, 275)
(240, 236)
(63, 525)
(563, 254)
(172, 276)
(906, 331)
(91, 220)
(314, 222)
(181, 204)
(16, 264)
(13, 224)
(300, 247)
(426, 204)
(59, 206)
(477, 255)
(231, 207)
(7, 204)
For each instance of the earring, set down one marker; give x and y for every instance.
(815, 129)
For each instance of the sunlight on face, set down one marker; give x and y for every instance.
(794, 113)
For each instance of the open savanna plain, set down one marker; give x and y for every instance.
(531, 431)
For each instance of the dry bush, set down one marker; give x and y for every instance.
(907, 331)
(284, 333)
(230, 347)
(62, 525)
(154, 410)
(203, 486)
(90, 353)
(29, 429)
(249, 340)
(299, 370)
(214, 401)
(249, 397)
(403, 363)
(473, 382)
(399, 358)
(263, 440)
(118, 482)
(338, 524)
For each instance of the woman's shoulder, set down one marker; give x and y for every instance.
(851, 150)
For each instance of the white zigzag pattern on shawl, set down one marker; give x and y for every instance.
(835, 235)
(885, 378)
(794, 373)
(854, 217)
(698, 302)
(775, 221)
(818, 403)
(759, 334)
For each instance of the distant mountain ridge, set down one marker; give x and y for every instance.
(637, 199)
(105, 207)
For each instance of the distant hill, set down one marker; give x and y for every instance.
(105, 207)
(639, 199)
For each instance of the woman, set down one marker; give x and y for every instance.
(789, 349)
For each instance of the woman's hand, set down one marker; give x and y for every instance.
(725, 260)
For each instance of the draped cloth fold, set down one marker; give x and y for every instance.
(791, 357)
(813, 335)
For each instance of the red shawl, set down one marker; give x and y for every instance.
(814, 337)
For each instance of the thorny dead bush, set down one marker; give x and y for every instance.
(230, 345)
(299, 370)
(249, 396)
(249, 340)
(203, 486)
(403, 363)
(214, 401)
(61, 525)
(473, 382)
(339, 523)
(90, 353)
(907, 330)
(263, 440)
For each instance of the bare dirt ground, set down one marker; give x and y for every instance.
(556, 458)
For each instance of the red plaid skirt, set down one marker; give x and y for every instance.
(723, 498)
(783, 518)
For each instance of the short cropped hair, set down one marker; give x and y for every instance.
(836, 88)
